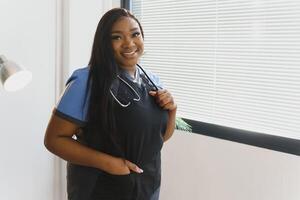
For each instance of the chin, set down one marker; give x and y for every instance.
(129, 64)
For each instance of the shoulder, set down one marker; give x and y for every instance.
(73, 103)
(76, 85)
(80, 75)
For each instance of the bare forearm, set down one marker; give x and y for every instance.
(58, 139)
(170, 125)
(70, 150)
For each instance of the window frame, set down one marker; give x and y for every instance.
(126, 4)
(267, 141)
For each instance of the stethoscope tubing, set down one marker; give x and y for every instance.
(135, 99)
(156, 88)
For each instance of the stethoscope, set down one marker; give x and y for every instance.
(138, 98)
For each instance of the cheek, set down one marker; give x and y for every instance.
(141, 46)
(115, 50)
(115, 46)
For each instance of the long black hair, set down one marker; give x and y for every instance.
(103, 70)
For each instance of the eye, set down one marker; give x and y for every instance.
(115, 37)
(136, 34)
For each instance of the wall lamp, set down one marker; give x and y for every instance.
(12, 76)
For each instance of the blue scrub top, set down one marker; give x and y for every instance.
(73, 103)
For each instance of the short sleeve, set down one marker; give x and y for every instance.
(73, 103)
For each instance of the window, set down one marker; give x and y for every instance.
(233, 63)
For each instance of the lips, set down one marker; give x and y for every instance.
(130, 54)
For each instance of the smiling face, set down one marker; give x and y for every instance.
(127, 42)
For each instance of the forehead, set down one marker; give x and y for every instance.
(125, 24)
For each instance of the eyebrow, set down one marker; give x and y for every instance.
(131, 30)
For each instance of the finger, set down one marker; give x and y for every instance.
(162, 101)
(152, 93)
(159, 92)
(163, 97)
(165, 101)
(169, 106)
(133, 167)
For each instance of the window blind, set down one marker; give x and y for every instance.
(234, 63)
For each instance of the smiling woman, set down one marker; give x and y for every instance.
(127, 43)
(120, 114)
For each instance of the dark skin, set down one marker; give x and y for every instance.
(58, 140)
(128, 47)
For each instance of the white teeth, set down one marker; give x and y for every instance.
(129, 54)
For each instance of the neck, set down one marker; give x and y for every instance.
(130, 70)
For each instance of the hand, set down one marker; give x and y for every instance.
(119, 166)
(164, 99)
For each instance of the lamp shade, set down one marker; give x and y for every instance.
(12, 76)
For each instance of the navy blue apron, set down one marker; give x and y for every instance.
(140, 128)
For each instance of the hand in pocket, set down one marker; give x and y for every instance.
(119, 166)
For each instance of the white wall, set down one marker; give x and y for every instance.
(27, 37)
(39, 35)
(200, 167)
(83, 20)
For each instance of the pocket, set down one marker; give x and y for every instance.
(109, 185)
(120, 180)
(80, 181)
(117, 176)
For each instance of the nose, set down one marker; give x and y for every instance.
(128, 42)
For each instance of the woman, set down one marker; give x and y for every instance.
(113, 118)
